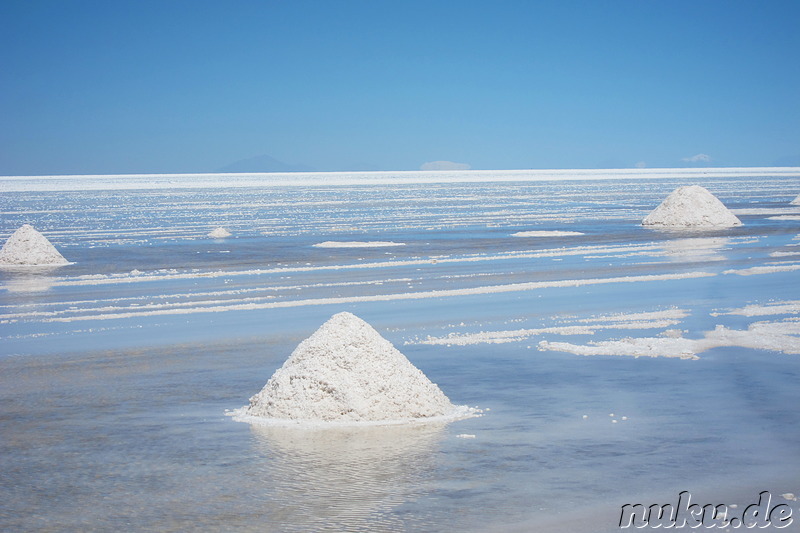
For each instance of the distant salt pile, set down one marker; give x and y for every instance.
(346, 372)
(219, 233)
(28, 247)
(691, 206)
(796, 201)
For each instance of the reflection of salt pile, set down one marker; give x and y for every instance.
(696, 249)
(691, 206)
(28, 247)
(347, 478)
(347, 372)
(219, 233)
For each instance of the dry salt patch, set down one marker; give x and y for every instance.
(346, 373)
(769, 269)
(587, 326)
(219, 233)
(789, 307)
(357, 244)
(546, 233)
(691, 206)
(28, 247)
(777, 336)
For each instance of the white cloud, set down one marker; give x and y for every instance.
(699, 158)
(444, 165)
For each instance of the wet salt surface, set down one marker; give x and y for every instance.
(116, 371)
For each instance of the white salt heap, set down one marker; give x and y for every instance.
(796, 201)
(219, 233)
(346, 372)
(691, 206)
(28, 247)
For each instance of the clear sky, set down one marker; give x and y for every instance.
(113, 86)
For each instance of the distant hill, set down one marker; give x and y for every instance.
(263, 163)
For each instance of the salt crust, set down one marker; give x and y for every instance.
(347, 373)
(219, 233)
(778, 335)
(329, 179)
(691, 206)
(28, 247)
(357, 244)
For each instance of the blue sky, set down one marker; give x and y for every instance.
(192, 86)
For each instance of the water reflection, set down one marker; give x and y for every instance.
(347, 479)
(29, 279)
(696, 249)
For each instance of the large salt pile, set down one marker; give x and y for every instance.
(28, 247)
(346, 372)
(691, 206)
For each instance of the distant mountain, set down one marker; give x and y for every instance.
(263, 163)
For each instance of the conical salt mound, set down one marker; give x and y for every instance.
(796, 201)
(691, 206)
(26, 246)
(347, 372)
(219, 233)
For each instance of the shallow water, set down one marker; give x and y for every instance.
(116, 371)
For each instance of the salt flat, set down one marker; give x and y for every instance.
(117, 369)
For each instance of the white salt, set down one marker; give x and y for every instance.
(28, 247)
(219, 233)
(691, 206)
(796, 201)
(346, 372)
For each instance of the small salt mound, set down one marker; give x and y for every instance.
(796, 201)
(219, 233)
(28, 247)
(691, 206)
(346, 372)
